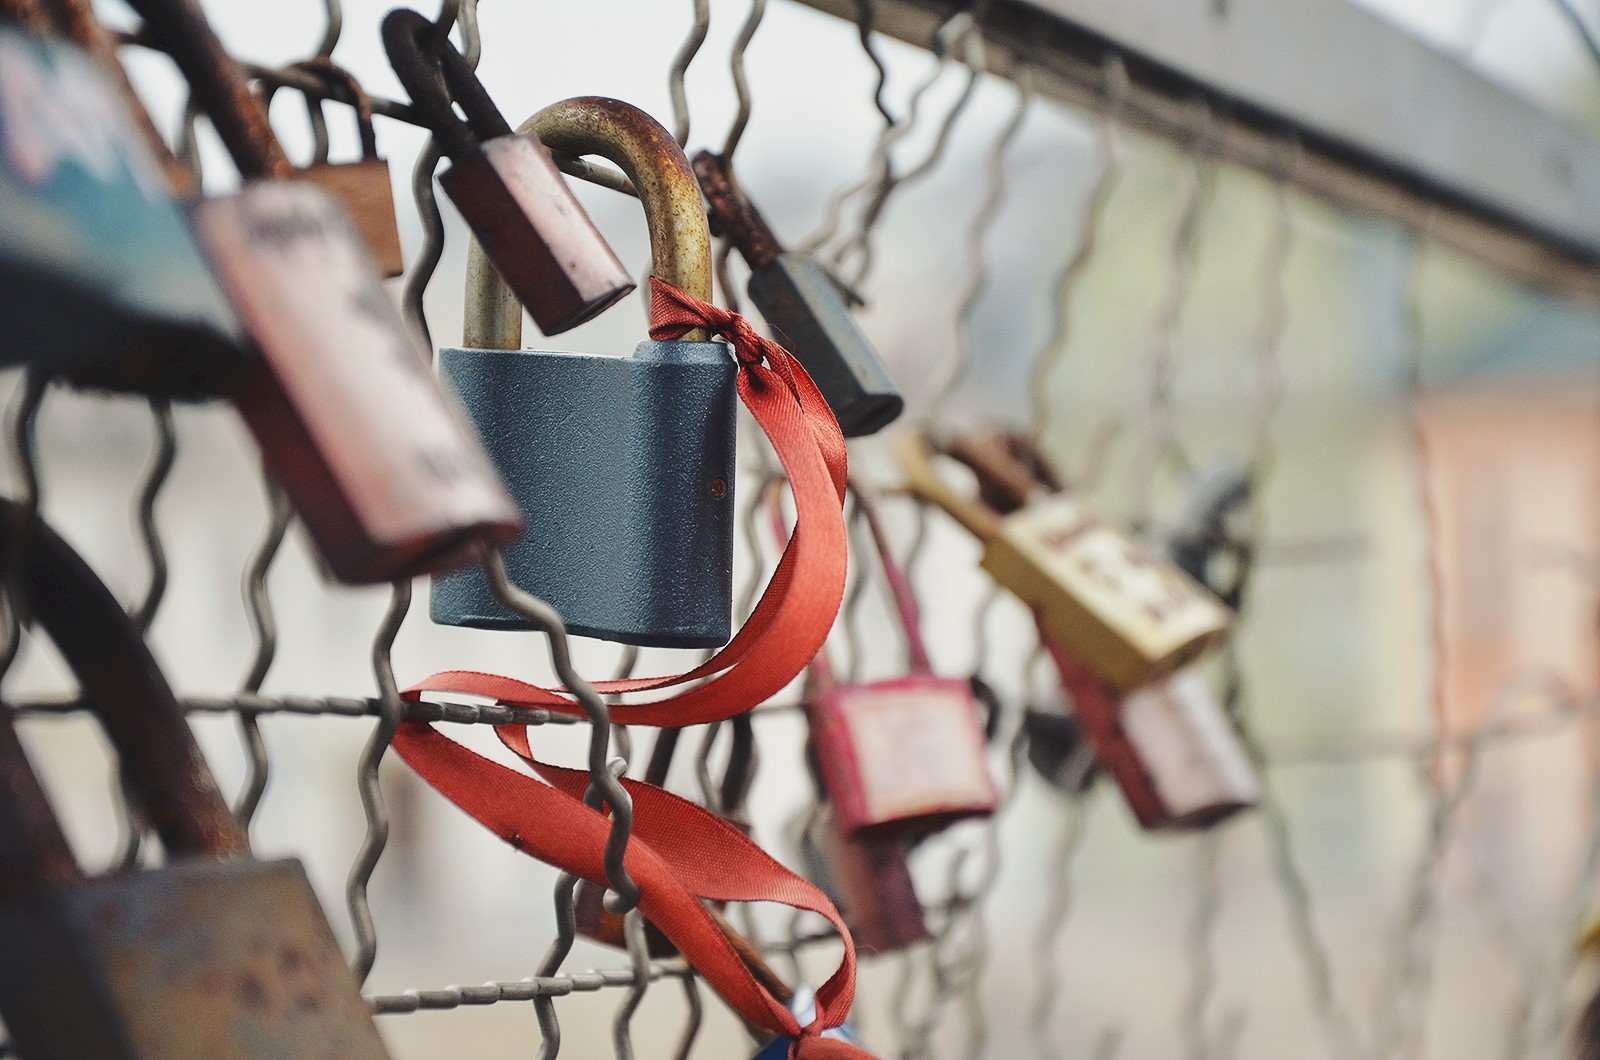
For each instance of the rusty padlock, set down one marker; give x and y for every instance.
(623, 466)
(101, 279)
(506, 187)
(1169, 746)
(379, 462)
(210, 957)
(363, 186)
(805, 309)
(1128, 611)
(902, 757)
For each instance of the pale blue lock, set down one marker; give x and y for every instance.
(623, 466)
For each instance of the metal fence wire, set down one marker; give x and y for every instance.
(1419, 870)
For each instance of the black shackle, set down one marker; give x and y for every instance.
(436, 81)
(122, 685)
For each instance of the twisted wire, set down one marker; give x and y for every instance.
(699, 26)
(1053, 925)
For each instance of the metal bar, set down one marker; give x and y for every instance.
(1386, 125)
(521, 990)
(338, 706)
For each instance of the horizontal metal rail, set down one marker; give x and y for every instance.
(1320, 93)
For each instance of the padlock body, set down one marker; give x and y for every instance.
(809, 317)
(381, 464)
(368, 196)
(624, 470)
(901, 757)
(531, 226)
(1127, 611)
(870, 882)
(100, 276)
(200, 960)
(1169, 747)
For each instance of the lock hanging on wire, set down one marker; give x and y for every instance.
(381, 466)
(806, 309)
(213, 956)
(623, 466)
(101, 279)
(1126, 610)
(525, 217)
(363, 186)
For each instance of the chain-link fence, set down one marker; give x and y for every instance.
(1412, 669)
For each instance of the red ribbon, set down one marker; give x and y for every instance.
(680, 853)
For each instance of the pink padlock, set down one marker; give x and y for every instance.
(902, 757)
(1172, 750)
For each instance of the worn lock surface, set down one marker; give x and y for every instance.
(623, 466)
(100, 276)
(1169, 746)
(213, 956)
(806, 311)
(363, 186)
(1126, 610)
(506, 187)
(870, 883)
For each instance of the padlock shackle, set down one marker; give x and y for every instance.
(123, 686)
(33, 848)
(905, 598)
(1010, 468)
(734, 215)
(179, 28)
(680, 238)
(915, 452)
(437, 81)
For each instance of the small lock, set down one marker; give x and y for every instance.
(506, 187)
(213, 956)
(902, 757)
(1128, 611)
(623, 466)
(869, 881)
(362, 186)
(101, 279)
(805, 309)
(1169, 746)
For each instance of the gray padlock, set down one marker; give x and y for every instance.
(806, 309)
(622, 466)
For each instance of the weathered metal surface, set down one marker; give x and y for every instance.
(623, 467)
(805, 309)
(1408, 134)
(507, 188)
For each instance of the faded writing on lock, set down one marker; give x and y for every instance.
(66, 112)
(915, 748)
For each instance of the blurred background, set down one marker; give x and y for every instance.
(1416, 661)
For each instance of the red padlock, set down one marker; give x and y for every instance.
(1170, 747)
(902, 757)
(870, 881)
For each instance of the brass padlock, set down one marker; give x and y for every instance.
(1169, 746)
(362, 186)
(213, 956)
(381, 465)
(1129, 612)
(506, 187)
(902, 757)
(805, 308)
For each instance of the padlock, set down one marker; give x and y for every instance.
(869, 880)
(505, 185)
(1169, 746)
(805, 308)
(902, 757)
(624, 466)
(101, 279)
(382, 467)
(214, 955)
(1127, 611)
(362, 186)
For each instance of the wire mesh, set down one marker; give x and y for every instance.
(999, 977)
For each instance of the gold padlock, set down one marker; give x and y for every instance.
(1131, 614)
